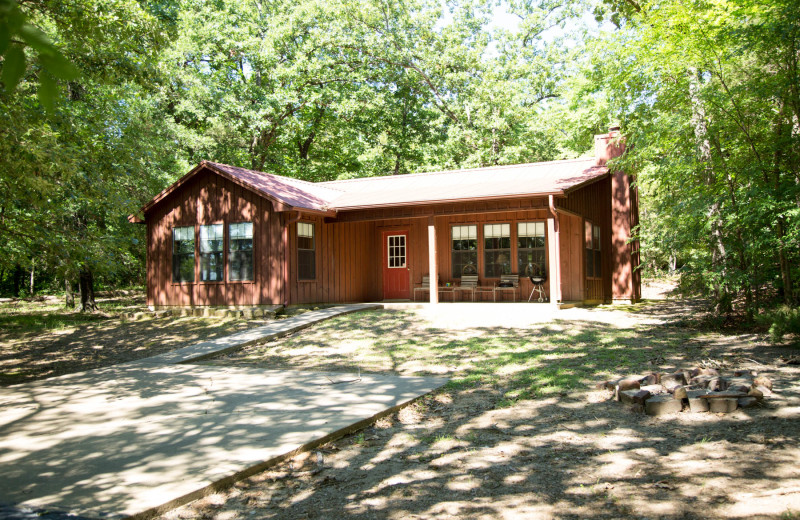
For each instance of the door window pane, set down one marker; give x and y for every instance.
(396, 255)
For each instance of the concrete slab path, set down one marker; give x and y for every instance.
(140, 437)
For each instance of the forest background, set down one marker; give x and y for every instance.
(103, 103)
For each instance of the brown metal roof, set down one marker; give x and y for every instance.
(292, 192)
(535, 179)
(556, 178)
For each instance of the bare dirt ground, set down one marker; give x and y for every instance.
(41, 339)
(522, 433)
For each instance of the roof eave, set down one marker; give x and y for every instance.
(587, 182)
(278, 204)
(558, 193)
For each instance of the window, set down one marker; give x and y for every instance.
(464, 250)
(306, 254)
(593, 257)
(396, 255)
(183, 254)
(240, 251)
(211, 264)
(531, 252)
(496, 250)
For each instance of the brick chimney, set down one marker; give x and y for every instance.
(608, 146)
(624, 216)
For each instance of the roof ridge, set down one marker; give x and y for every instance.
(445, 172)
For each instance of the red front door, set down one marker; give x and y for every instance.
(395, 266)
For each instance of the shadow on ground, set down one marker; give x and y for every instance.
(521, 433)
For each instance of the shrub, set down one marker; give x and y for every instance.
(781, 321)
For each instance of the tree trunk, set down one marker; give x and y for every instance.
(86, 286)
(33, 264)
(69, 296)
(17, 279)
(718, 253)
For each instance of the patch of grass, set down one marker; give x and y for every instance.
(555, 358)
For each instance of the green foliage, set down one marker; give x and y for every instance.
(781, 321)
(707, 94)
(16, 33)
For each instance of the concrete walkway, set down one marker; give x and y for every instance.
(141, 437)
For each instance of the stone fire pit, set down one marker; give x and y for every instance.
(694, 390)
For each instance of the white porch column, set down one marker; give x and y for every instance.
(554, 254)
(433, 269)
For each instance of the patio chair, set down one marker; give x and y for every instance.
(425, 286)
(468, 284)
(508, 282)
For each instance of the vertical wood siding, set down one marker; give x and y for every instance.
(593, 202)
(207, 199)
(349, 260)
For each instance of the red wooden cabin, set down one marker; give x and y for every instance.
(227, 236)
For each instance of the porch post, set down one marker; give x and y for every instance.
(554, 254)
(432, 261)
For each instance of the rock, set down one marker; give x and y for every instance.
(670, 381)
(662, 405)
(247, 314)
(197, 312)
(725, 405)
(747, 402)
(208, 312)
(759, 392)
(723, 395)
(763, 381)
(258, 313)
(738, 387)
(681, 392)
(743, 373)
(706, 372)
(654, 389)
(650, 379)
(717, 384)
(700, 380)
(628, 384)
(139, 316)
(697, 405)
(634, 396)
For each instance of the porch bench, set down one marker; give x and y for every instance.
(505, 279)
(468, 284)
